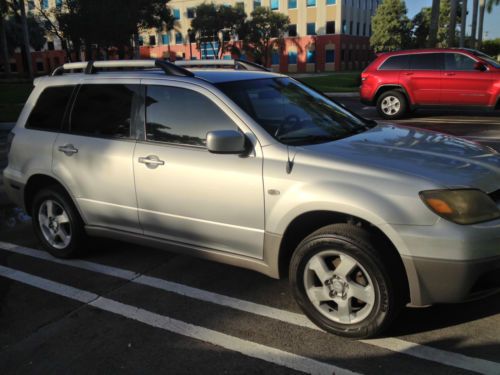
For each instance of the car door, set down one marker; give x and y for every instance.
(186, 193)
(93, 155)
(423, 78)
(463, 84)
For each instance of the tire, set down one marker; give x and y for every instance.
(392, 105)
(57, 223)
(332, 265)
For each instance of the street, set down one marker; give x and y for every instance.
(130, 309)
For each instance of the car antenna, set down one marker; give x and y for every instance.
(289, 164)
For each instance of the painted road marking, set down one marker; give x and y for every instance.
(396, 345)
(247, 348)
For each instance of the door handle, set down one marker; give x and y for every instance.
(451, 74)
(151, 161)
(408, 74)
(68, 149)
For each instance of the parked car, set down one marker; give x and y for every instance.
(256, 170)
(403, 81)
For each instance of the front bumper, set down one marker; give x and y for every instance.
(448, 263)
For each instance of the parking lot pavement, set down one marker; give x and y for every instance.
(126, 308)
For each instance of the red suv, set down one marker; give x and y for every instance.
(400, 81)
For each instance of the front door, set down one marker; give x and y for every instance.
(186, 193)
(93, 156)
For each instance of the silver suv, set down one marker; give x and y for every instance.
(256, 170)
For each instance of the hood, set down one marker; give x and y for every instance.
(445, 160)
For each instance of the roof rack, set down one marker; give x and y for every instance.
(91, 67)
(236, 64)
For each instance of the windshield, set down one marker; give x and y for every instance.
(291, 112)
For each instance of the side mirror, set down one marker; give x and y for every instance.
(226, 142)
(480, 66)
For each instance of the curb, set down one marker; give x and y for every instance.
(342, 94)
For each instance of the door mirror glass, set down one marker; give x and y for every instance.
(480, 66)
(226, 142)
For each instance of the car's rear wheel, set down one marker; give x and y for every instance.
(392, 105)
(340, 282)
(57, 223)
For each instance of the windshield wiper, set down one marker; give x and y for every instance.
(309, 139)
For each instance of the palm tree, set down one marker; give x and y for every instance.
(491, 4)
(453, 23)
(463, 27)
(475, 7)
(433, 28)
(482, 8)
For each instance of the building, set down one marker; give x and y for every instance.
(324, 35)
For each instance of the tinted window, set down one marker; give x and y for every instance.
(457, 61)
(182, 116)
(396, 63)
(49, 108)
(425, 61)
(103, 110)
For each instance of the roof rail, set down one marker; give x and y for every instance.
(236, 64)
(91, 67)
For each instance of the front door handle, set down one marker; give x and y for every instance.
(68, 149)
(451, 74)
(408, 73)
(151, 161)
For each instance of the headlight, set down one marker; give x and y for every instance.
(465, 206)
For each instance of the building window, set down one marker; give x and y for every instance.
(311, 28)
(311, 3)
(165, 39)
(45, 4)
(292, 30)
(357, 29)
(344, 27)
(343, 55)
(330, 55)
(31, 4)
(58, 3)
(178, 38)
(351, 30)
(331, 2)
(311, 56)
(292, 57)
(330, 27)
(364, 29)
(292, 4)
(50, 46)
(177, 14)
(257, 3)
(275, 58)
(141, 41)
(190, 13)
(240, 5)
(152, 40)
(275, 4)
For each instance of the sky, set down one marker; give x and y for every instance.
(491, 20)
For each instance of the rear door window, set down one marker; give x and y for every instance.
(426, 61)
(396, 63)
(50, 108)
(103, 110)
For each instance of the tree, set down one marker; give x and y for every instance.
(491, 4)
(492, 47)
(433, 28)
(391, 27)
(3, 37)
(452, 31)
(482, 7)
(264, 31)
(421, 25)
(463, 26)
(475, 7)
(213, 23)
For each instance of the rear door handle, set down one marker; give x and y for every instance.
(68, 149)
(151, 161)
(450, 74)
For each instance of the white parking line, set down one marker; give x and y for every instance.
(393, 344)
(247, 348)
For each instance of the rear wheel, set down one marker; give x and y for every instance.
(57, 223)
(392, 105)
(340, 282)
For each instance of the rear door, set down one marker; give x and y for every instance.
(464, 85)
(93, 155)
(423, 78)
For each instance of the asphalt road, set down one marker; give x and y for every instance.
(129, 309)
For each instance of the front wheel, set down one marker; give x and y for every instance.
(341, 283)
(57, 223)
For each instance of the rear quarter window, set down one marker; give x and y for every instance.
(49, 110)
(396, 63)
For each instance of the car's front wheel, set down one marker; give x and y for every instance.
(392, 105)
(57, 223)
(340, 282)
